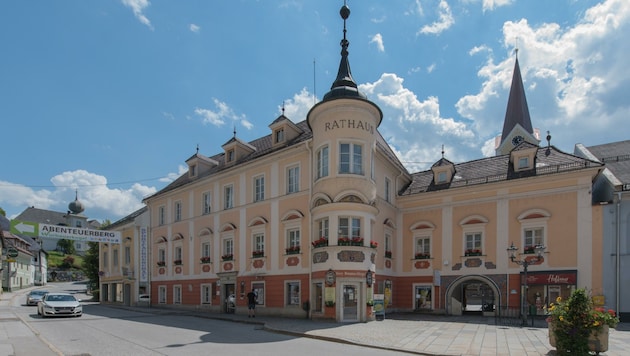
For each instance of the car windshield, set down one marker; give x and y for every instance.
(60, 298)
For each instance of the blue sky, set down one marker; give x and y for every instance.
(110, 97)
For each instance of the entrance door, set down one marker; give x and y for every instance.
(127, 294)
(229, 298)
(350, 302)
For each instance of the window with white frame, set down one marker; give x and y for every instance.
(207, 203)
(350, 227)
(178, 253)
(523, 162)
(162, 294)
(161, 215)
(230, 155)
(228, 197)
(388, 190)
(127, 255)
(534, 227)
(178, 211)
(423, 247)
(206, 294)
(322, 227)
(293, 239)
(161, 255)
(228, 247)
(388, 244)
(473, 241)
(293, 293)
(115, 255)
(177, 294)
(534, 237)
(205, 249)
(350, 158)
(322, 162)
(279, 135)
(259, 188)
(293, 179)
(259, 243)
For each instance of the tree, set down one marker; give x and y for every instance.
(66, 246)
(91, 266)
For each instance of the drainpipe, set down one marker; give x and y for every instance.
(618, 247)
(310, 232)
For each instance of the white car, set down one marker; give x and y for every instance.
(35, 296)
(59, 304)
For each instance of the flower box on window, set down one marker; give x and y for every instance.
(177, 262)
(388, 254)
(473, 252)
(161, 263)
(422, 256)
(529, 250)
(357, 241)
(228, 257)
(343, 241)
(293, 250)
(373, 244)
(321, 242)
(205, 259)
(256, 254)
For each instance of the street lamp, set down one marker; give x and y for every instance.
(539, 249)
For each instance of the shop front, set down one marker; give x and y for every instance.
(545, 288)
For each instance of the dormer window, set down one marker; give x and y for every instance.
(523, 163)
(441, 177)
(192, 170)
(522, 158)
(443, 171)
(279, 135)
(230, 155)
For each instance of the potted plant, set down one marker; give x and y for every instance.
(529, 250)
(177, 262)
(356, 241)
(205, 259)
(292, 250)
(329, 303)
(422, 256)
(472, 252)
(227, 257)
(577, 327)
(343, 241)
(388, 254)
(161, 263)
(321, 242)
(373, 244)
(258, 253)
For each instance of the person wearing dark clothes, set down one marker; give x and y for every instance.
(251, 304)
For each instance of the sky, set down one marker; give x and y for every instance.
(107, 99)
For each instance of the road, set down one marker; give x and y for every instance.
(112, 331)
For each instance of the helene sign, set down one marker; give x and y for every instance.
(78, 234)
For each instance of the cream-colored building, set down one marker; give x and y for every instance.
(321, 215)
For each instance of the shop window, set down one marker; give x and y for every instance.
(206, 294)
(293, 293)
(259, 289)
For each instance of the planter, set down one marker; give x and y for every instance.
(597, 341)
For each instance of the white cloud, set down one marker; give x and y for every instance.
(138, 6)
(378, 39)
(194, 28)
(444, 22)
(298, 107)
(489, 5)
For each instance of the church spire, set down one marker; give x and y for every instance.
(344, 85)
(517, 112)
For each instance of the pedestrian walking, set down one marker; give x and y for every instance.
(251, 304)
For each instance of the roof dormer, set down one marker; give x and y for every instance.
(235, 149)
(443, 171)
(199, 164)
(283, 130)
(522, 157)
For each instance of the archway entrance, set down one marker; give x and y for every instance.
(472, 295)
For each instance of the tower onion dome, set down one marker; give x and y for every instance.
(344, 86)
(76, 207)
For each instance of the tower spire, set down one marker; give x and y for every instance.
(344, 85)
(517, 112)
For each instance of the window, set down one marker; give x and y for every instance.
(193, 170)
(177, 294)
(259, 188)
(293, 180)
(293, 238)
(523, 162)
(228, 247)
(350, 158)
(105, 259)
(259, 244)
(388, 187)
(161, 215)
(127, 255)
(279, 135)
(228, 197)
(322, 162)
(534, 237)
(230, 155)
(293, 293)
(162, 294)
(115, 254)
(206, 294)
(205, 249)
(178, 253)
(259, 289)
(178, 211)
(161, 255)
(473, 243)
(423, 247)
(77, 223)
(350, 227)
(388, 245)
(207, 203)
(323, 228)
(441, 177)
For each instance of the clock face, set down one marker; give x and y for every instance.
(517, 140)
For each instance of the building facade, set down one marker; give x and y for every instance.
(320, 217)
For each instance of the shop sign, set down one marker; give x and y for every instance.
(552, 278)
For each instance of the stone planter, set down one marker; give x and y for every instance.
(597, 341)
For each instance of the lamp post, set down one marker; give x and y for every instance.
(525, 262)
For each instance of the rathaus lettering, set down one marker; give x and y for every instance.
(349, 124)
